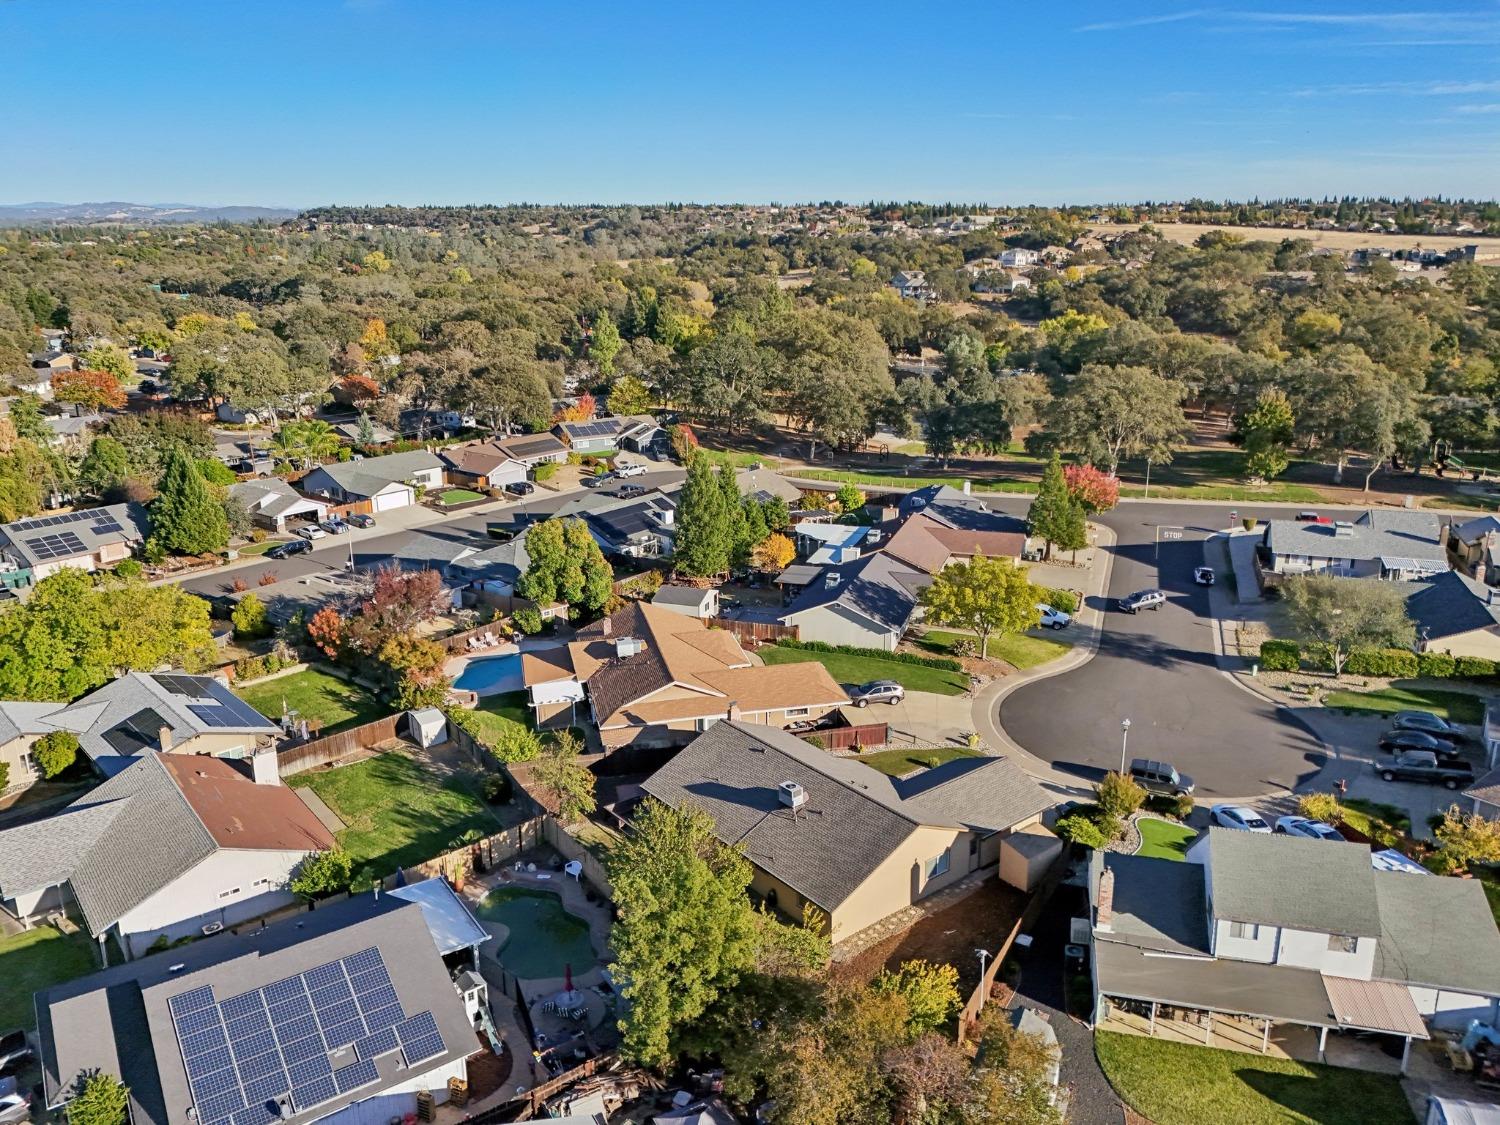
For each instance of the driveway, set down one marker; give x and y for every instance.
(923, 718)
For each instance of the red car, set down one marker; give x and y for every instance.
(1312, 517)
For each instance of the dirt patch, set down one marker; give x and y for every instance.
(487, 1072)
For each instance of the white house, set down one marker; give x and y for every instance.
(1019, 257)
(913, 285)
(690, 601)
(271, 502)
(386, 482)
(1379, 544)
(174, 846)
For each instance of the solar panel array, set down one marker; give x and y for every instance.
(102, 519)
(61, 545)
(212, 704)
(593, 429)
(251, 1055)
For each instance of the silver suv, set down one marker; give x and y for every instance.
(1143, 599)
(877, 691)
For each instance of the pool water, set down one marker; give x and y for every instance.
(544, 938)
(490, 674)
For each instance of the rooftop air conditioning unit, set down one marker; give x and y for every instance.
(212, 928)
(874, 536)
(629, 646)
(831, 581)
(793, 796)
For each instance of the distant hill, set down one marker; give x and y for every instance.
(134, 214)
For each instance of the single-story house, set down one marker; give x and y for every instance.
(640, 434)
(596, 436)
(655, 678)
(835, 834)
(88, 539)
(483, 464)
(37, 379)
(272, 502)
(767, 484)
(641, 527)
(1379, 544)
(868, 603)
(174, 846)
(827, 544)
(972, 525)
(302, 593)
(1282, 930)
(379, 434)
(1456, 614)
(72, 427)
(533, 449)
(21, 724)
(1474, 548)
(691, 601)
(386, 482)
(342, 1014)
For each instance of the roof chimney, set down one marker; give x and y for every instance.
(605, 626)
(1104, 919)
(263, 767)
(164, 738)
(734, 712)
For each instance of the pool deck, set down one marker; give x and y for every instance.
(512, 681)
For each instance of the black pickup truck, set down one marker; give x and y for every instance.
(1423, 765)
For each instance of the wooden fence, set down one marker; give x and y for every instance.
(849, 738)
(486, 854)
(762, 632)
(321, 751)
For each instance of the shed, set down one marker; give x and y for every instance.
(1026, 855)
(427, 727)
(691, 601)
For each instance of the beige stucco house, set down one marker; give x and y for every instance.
(1456, 614)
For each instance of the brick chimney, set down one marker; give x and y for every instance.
(164, 738)
(604, 625)
(734, 713)
(1105, 917)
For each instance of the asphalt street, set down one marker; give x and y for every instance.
(1158, 670)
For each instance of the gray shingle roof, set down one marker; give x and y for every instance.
(1450, 603)
(876, 587)
(93, 528)
(1292, 881)
(367, 477)
(1159, 904)
(1375, 535)
(690, 596)
(982, 794)
(1476, 528)
(1437, 932)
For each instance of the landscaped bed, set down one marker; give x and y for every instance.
(899, 762)
(1180, 1084)
(397, 812)
(34, 960)
(1019, 650)
(459, 496)
(1460, 707)
(1162, 839)
(848, 668)
(325, 701)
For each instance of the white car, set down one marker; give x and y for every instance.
(312, 531)
(1312, 829)
(630, 469)
(1054, 618)
(1240, 817)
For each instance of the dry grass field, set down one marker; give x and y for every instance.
(1335, 239)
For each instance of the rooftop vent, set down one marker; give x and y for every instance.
(629, 646)
(875, 535)
(665, 516)
(793, 796)
(831, 580)
(1343, 529)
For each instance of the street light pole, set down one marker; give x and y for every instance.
(1124, 742)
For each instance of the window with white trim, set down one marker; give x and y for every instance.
(937, 865)
(797, 712)
(1247, 930)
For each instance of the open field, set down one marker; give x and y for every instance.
(1187, 233)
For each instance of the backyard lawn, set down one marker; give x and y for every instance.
(497, 713)
(1161, 839)
(898, 762)
(1019, 650)
(847, 668)
(36, 959)
(1458, 706)
(460, 496)
(397, 812)
(1180, 1084)
(316, 696)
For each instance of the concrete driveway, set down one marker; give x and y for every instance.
(923, 718)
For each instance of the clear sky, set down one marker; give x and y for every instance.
(301, 102)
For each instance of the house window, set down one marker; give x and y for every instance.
(1247, 930)
(230, 893)
(1338, 943)
(260, 883)
(937, 865)
(797, 712)
(28, 765)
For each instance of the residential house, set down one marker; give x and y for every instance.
(1484, 794)
(37, 379)
(21, 724)
(352, 432)
(171, 847)
(1379, 544)
(1474, 548)
(641, 527)
(598, 436)
(913, 285)
(690, 601)
(827, 544)
(1456, 614)
(655, 678)
(868, 603)
(271, 502)
(1018, 257)
(835, 834)
(89, 539)
(346, 1013)
(303, 594)
(765, 484)
(243, 456)
(533, 449)
(385, 482)
(641, 434)
(483, 465)
(71, 429)
(1287, 932)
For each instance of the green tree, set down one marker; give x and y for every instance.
(1012, 1080)
(1269, 429)
(704, 545)
(55, 751)
(1055, 516)
(105, 465)
(1347, 613)
(570, 783)
(736, 522)
(1110, 412)
(566, 565)
(1119, 795)
(628, 395)
(605, 344)
(26, 416)
(685, 931)
(186, 517)
(930, 990)
(99, 1099)
(112, 358)
(250, 619)
(1465, 839)
(322, 874)
(850, 498)
(984, 596)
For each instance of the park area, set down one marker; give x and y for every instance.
(851, 668)
(328, 703)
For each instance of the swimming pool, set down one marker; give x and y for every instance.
(544, 938)
(490, 674)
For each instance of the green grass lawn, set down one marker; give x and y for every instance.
(903, 480)
(1019, 650)
(849, 669)
(397, 812)
(258, 548)
(1179, 1084)
(1458, 706)
(497, 713)
(1463, 500)
(460, 496)
(37, 959)
(1161, 839)
(317, 697)
(898, 762)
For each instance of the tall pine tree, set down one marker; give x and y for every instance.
(186, 517)
(703, 546)
(1054, 516)
(736, 526)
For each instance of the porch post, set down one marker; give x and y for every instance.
(1405, 1054)
(1322, 1042)
(1265, 1038)
(1152, 1029)
(1208, 1030)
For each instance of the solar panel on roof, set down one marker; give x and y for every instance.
(201, 1041)
(214, 1084)
(309, 1069)
(243, 1005)
(293, 1008)
(266, 1088)
(388, 1016)
(420, 1038)
(377, 1043)
(284, 990)
(300, 1050)
(249, 1046)
(208, 1062)
(191, 1001)
(341, 1012)
(314, 1093)
(356, 1075)
(380, 997)
(262, 1065)
(201, 1020)
(249, 1025)
(340, 1035)
(365, 961)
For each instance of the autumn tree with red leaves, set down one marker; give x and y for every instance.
(1095, 489)
(398, 602)
(96, 390)
(326, 631)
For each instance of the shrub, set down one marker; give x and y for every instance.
(1119, 795)
(1320, 806)
(129, 568)
(545, 471)
(528, 620)
(1436, 665)
(947, 664)
(1080, 829)
(497, 788)
(1064, 601)
(55, 751)
(1317, 656)
(1167, 805)
(1280, 656)
(517, 744)
(964, 646)
(1473, 667)
(250, 619)
(4, 776)
(322, 874)
(1387, 663)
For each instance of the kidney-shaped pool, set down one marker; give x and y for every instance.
(544, 938)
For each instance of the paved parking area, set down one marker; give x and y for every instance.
(923, 718)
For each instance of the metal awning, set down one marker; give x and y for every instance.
(1374, 1005)
(799, 575)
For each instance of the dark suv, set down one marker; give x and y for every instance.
(1160, 777)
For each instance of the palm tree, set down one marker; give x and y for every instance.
(319, 442)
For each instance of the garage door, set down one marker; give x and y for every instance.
(397, 498)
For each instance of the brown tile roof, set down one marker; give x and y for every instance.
(238, 813)
(477, 460)
(545, 665)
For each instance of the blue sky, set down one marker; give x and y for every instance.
(300, 102)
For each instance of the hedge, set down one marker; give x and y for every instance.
(1473, 667)
(941, 662)
(1435, 665)
(254, 667)
(1280, 656)
(1387, 663)
(1064, 601)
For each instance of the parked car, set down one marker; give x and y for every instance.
(1312, 517)
(633, 469)
(1143, 599)
(1204, 576)
(14, 1050)
(1420, 765)
(520, 488)
(1160, 777)
(631, 490)
(15, 1103)
(878, 691)
(287, 550)
(359, 519)
(334, 526)
(1312, 829)
(1241, 817)
(311, 531)
(1428, 723)
(1400, 741)
(1054, 618)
